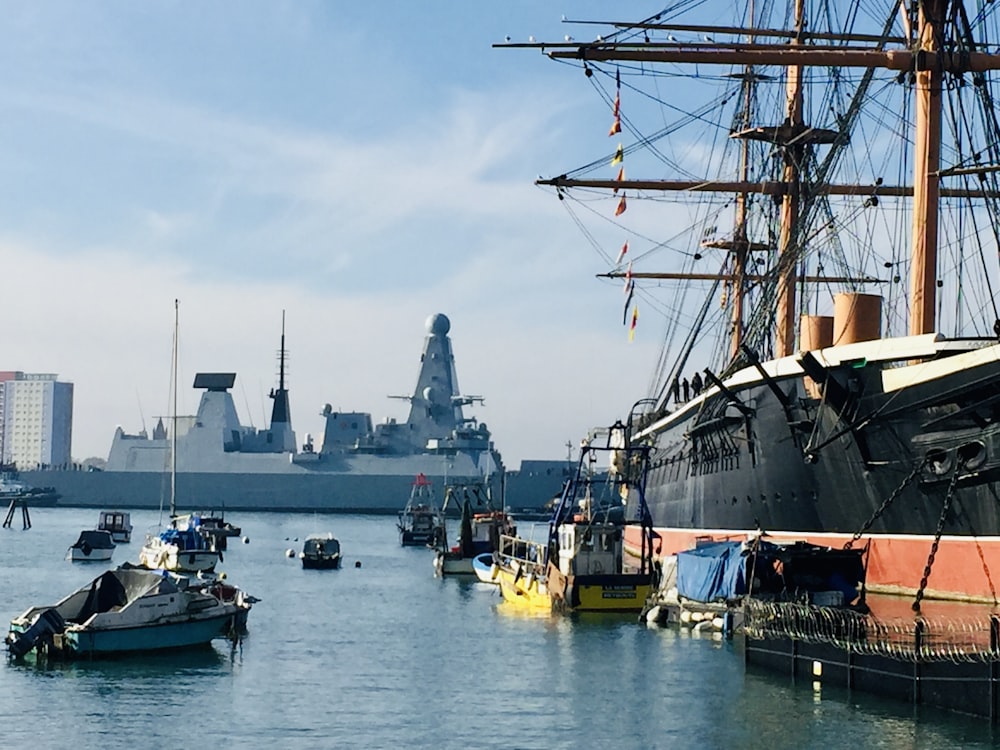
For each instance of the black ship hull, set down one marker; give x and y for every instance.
(895, 456)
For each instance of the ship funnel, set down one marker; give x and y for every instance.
(856, 317)
(815, 332)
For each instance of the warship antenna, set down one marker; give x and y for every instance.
(281, 356)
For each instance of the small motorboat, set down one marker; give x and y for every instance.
(320, 552)
(93, 545)
(482, 566)
(119, 523)
(130, 609)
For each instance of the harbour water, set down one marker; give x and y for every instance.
(385, 655)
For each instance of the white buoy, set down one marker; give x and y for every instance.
(246, 540)
(289, 553)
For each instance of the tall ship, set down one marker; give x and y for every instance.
(822, 182)
(359, 466)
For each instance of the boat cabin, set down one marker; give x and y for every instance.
(117, 523)
(590, 549)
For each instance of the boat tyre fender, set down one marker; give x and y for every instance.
(86, 549)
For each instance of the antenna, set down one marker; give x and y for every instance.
(281, 355)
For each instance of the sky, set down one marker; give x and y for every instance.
(355, 166)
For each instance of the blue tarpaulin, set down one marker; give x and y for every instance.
(712, 571)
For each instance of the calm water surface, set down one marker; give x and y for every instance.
(388, 656)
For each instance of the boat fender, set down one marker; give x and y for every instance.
(86, 549)
(653, 615)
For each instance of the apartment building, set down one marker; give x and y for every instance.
(36, 420)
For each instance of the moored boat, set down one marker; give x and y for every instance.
(320, 552)
(118, 523)
(478, 533)
(520, 574)
(822, 403)
(585, 567)
(421, 522)
(484, 568)
(181, 547)
(14, 490)
(92, 545)
(128, 610)
(588, 568)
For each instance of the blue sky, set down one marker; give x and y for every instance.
(358, 165)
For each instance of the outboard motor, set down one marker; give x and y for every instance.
(44, 627)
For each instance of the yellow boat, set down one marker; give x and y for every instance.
(520, 571)
(583, 566)
(589, 574)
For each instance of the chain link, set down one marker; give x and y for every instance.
(959, 465)
(885, 505)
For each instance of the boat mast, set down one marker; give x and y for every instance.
(792, 153)
(740, 246)
(173, 416)
(927, 158)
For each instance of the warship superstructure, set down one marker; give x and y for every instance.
(358, 467)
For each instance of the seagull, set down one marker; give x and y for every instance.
(708, 38)
(671, 38)
(531, 39)
(507, 38)
(568, 38)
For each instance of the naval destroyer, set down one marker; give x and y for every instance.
(359, 466)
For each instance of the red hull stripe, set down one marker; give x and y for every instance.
(965, 568)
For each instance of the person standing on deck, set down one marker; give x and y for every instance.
(696, 384)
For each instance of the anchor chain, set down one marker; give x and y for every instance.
(885, 505)
(959, 465)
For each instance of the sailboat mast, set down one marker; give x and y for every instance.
(173, 416)
(926, 182)
(789, 216)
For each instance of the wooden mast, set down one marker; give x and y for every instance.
(928, 60)
(784, 339)
(927, 158)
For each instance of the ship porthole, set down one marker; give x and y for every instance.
(938, 461)
(972, 455)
